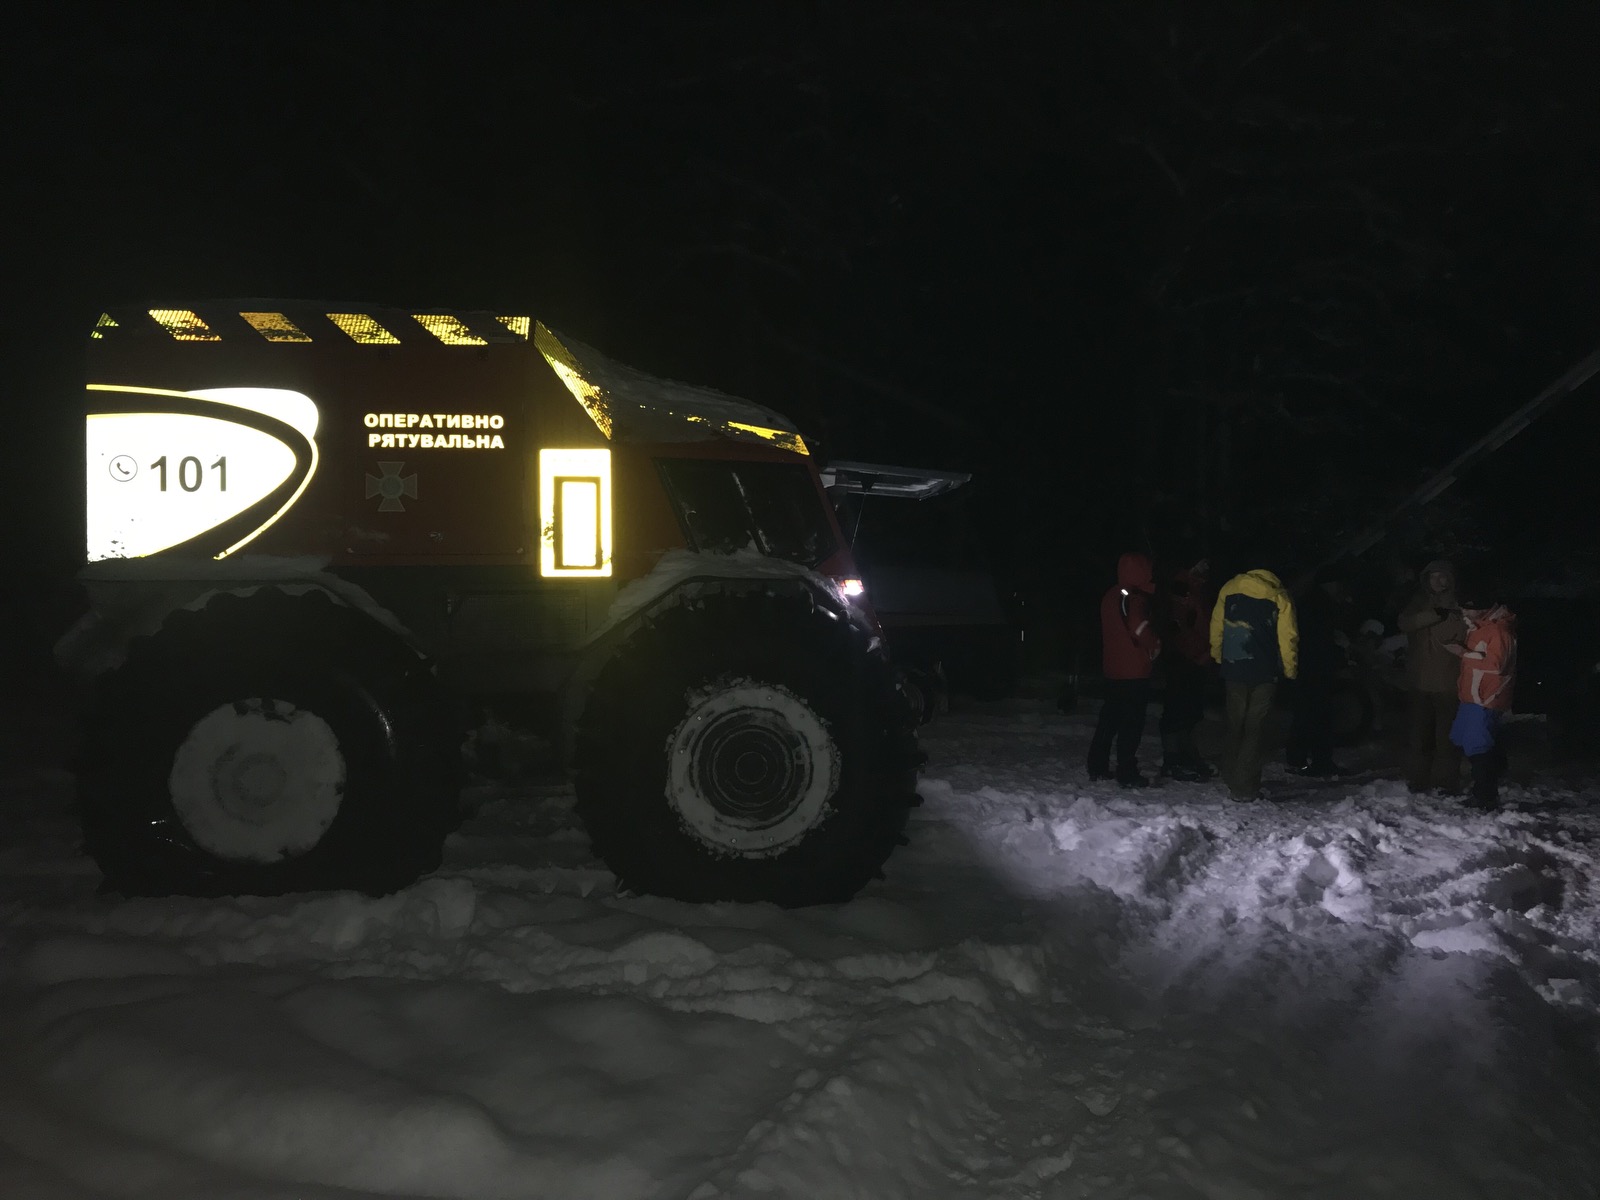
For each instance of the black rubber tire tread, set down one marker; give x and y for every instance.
(396, 732)
(639, 698)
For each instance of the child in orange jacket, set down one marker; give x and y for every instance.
(1484, 688)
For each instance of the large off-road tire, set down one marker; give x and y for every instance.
(746, 747)
(268, 743)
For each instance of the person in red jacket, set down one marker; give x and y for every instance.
(1130, 649)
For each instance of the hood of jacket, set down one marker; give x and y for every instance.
(1260, 583)
(1135, 573)
(1498, 615)
(1445, 567)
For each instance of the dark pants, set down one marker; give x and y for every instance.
(1432, 759)
(1486, 772)
(1121, 719)
(1311, 722)
(1183, 708)
(1248, 705)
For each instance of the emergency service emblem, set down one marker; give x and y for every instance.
(389, 485)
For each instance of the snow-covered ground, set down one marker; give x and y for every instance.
(1061, 990)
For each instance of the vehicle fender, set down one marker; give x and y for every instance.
(630, 613)
(133, 598)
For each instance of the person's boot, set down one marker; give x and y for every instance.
(1171, 755)
(1176, 760)
(1419, 780)
(1187, 768)
(1197, 761)
(1485, 787)
(1128, 776)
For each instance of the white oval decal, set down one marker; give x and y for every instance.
(159, 479)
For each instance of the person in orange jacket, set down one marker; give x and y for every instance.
(1131, 645)
(1484, 689)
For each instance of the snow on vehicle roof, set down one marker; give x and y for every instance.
(630, 405)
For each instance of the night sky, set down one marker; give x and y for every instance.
(1173, 276)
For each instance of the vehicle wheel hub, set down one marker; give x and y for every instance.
(258, 780)
(751, 768)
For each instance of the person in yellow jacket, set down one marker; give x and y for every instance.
(1256, 641)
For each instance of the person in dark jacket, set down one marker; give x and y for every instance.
(1186, 658)
(1310, 749)
(1432, 623)
(1254, 635)
(1130, 648)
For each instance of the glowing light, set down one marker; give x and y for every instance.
(275, 327)
(363, 330)
(575, 513)
(849, 588)
(578, 523)
(517, 325)
(452, 331)
(158, 479)
(104, 323)
(183, 325)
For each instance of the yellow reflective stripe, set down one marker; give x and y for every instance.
(275, 327)
(517, 325)
(589, 395)
(778, 437)
(452, 331)
(183, 325)
(363, 330)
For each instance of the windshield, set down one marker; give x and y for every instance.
(770, 507)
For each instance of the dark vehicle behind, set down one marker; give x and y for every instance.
(1558, 669)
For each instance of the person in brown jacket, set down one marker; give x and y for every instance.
(1432, 622)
